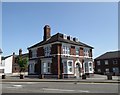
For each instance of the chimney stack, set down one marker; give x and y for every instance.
(47, 33)
(20, 51)
(13, 61)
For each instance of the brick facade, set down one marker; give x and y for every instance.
(40, 52)
(109, 57)
(57, 56)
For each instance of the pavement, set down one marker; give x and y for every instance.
(94, 79)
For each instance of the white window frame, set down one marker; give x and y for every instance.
(34, 53)
(45, 66)
(115, 68)
(77, 50)
(66, 49)
(106, 62)
(86, 52)
(64, 36)
(70, 67)
(71, 38)
(86, 67)
(65, 67)
(47, 50)
(90, 67)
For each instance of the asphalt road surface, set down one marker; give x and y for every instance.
(61, 87)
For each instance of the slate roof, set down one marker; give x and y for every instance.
(23, 55)
(58, 38)
(109, 55)
(0, 50)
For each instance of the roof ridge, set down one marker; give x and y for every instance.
(113, 51)
(107, 55)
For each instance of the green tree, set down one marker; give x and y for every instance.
(23, 63)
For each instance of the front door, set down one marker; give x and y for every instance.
(77, 70)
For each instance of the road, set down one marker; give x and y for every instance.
(61, 87)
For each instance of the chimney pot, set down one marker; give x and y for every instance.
(47, 33)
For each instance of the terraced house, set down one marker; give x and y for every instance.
(60, 56)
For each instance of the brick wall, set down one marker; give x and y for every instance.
(72, 50)
(30, 53)
(40, 52)
(81, 51)
(56, 66)
(90, 53)
(103, 66)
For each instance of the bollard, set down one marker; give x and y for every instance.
(109, 76)
(3, 77)
(83, 76)
(21, 76)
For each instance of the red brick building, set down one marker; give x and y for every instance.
(108, 62)
(60, 56)
(15, 65)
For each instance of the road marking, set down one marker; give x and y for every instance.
(15, 86)
(84, 91)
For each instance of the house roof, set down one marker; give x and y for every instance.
(0, 50)
(59, 38)
(109, 55)
(23, 55)
(3, 58)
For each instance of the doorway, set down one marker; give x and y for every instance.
(78, 70)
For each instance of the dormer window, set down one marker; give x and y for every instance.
(77, 39)
(71, 38)
(65, 36)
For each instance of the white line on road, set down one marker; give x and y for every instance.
(15, 86)
(84, 91)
